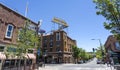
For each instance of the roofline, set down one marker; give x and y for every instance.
(18, 13)
(108, 39)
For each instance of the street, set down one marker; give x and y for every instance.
(86, 66)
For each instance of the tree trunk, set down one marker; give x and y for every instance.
(25, 64)
(1, 64)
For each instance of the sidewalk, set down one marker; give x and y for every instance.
(46, 68)
(110, 67)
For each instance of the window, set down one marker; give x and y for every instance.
(12, 63)
(50, 49)
(57, 49)
(51, 38)
(9, 31)
(29, 61)
(58, 36)
(32, 27)
(44, 44)
(51, 44)
(30, 51)
(58, 43)
(11, 49)
(45, 51)
(44, 39)
(7, 63)
(19, 37)
(117, 44)
(1, 48)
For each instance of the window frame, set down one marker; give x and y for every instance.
(19, 31)
(9, 31)
(2, 48)
(58, 36)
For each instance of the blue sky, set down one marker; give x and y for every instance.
(80, 15)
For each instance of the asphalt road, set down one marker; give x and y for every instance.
(86, 66)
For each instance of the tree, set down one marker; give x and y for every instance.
(110, 9)
(82, 53)
(76, 53)
(99, 54)
(28, 38)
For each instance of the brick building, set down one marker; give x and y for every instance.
(112, 47)
(10, 23)
(57, 47)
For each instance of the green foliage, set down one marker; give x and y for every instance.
(9, 51)
(76, 52)
(27, 38)
(110, 9)
(79, 53)
(99, 51)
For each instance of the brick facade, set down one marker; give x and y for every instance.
(8, 16)
(112, 47)
(58, 51)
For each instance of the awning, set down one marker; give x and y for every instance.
(31, 56)
(2, 55)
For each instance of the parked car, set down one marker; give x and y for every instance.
(80, 62)
(100, 61)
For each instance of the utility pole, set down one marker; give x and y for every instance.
(102, 51)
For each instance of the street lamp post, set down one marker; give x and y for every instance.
(102, 53)
(40, 32)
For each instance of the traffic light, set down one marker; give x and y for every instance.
(93, 49)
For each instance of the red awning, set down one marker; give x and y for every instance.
(31, 56)
(2, 55)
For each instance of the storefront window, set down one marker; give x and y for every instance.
(7, 63)
(30, 51)
(29, 61)
(115, 61)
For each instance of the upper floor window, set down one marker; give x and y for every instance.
(58, 43)
(44, 44)
(51, 44)
(19, 36)
(51, 38)
(45, 39)
(57, 49)
(58, 36)
(9, 31)
(32, 27)
(51, 49)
